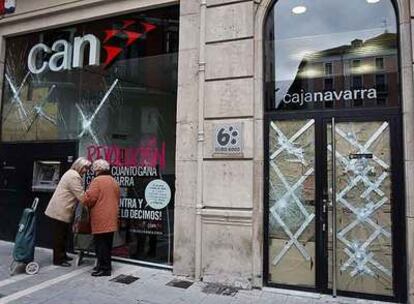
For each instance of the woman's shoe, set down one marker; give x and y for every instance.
(68, 258)
(63, 264)
(101, 273)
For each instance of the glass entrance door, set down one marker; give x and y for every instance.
(359, 185)
(333, 215)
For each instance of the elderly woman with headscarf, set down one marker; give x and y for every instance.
(62, 205)
(102, 197)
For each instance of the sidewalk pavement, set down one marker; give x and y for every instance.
(58, 285)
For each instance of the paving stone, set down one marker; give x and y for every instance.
(299, 300)
(219, 289)
(245, 299)
(215, 299)
(272, 298)
(184, 284)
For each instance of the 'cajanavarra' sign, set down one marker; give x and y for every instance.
(310, 97)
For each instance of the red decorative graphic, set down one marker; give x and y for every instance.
(113, 51)
(128, 23)
(132, 37)
(109, 34)
(148, 26)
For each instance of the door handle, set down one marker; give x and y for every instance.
(325, 203)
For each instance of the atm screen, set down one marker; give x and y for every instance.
(46, 175)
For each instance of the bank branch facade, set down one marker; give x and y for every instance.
(256, 143)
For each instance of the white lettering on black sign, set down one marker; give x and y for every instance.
(65, 55)
(347, 95)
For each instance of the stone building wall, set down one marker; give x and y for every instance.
(215, 195)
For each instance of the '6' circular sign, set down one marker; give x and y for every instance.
(227, 139)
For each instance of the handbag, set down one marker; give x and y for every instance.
(82, 222)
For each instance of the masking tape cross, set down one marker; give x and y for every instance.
(287, 145)
(17, 99)
(87, 121)
(359, 256)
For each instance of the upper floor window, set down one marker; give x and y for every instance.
(379, 63)
(328, 69)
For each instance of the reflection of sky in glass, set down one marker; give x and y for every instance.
(326, 24)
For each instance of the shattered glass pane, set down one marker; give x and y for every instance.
(363, 193)
(292, 202)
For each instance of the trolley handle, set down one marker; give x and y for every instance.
(35, 203)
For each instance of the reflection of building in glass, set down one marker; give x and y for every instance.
(362, 73)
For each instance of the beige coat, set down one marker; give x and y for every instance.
(102, 197)
(68, 192)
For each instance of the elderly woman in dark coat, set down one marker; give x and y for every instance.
(102, 197)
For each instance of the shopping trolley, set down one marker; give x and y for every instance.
(24, 244)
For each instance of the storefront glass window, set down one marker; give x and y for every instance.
(112, 85)
(327, 55)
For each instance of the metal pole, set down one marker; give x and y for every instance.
(334, 272)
